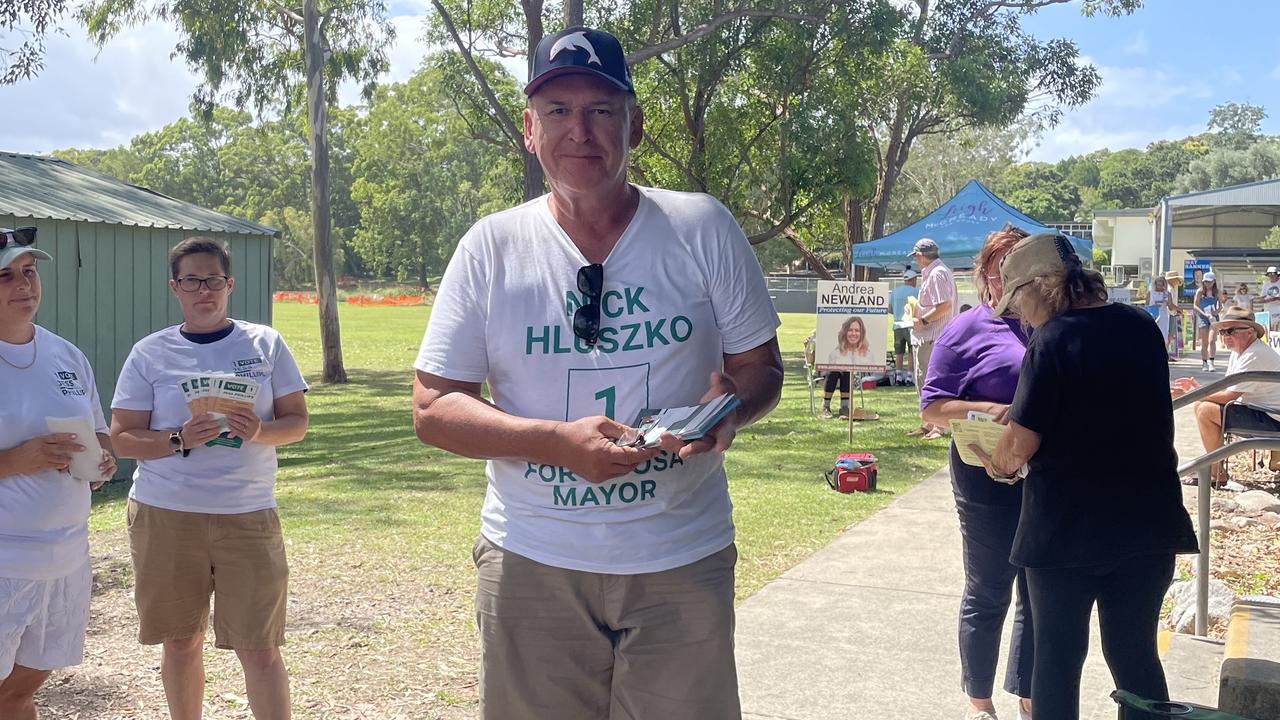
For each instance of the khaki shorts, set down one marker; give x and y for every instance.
(923, 353)
(561, 643)
(181, 558)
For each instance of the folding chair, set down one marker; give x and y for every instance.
(811, 375)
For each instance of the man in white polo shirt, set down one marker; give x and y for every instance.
(605, 573)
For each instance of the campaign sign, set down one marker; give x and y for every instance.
(1192, 273)
(853, 326)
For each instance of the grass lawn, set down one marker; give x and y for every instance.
(380, 527)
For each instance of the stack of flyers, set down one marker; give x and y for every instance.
(687, 423)
(218, 394)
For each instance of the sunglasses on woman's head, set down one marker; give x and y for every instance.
(22, 237)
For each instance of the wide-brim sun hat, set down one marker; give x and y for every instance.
(1235, 316)
(1035, 256)
(1172, 275)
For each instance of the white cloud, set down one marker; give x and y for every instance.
(1147, 88)
(1079, 135)
(131, 87)
(1135, 106)
(1138, 45)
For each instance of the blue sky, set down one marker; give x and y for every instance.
(1163, 69)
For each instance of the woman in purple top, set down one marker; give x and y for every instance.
(975, 367)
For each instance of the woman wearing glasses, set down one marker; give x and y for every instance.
(202, 512)
(974, 368)
(45, 578)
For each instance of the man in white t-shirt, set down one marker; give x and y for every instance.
(1269, 291)
(605, 573)
(1246, 406)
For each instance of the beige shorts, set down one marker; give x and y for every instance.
(561, 643)
(923, 353)
(181, 558)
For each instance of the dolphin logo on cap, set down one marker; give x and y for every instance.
(575, 40)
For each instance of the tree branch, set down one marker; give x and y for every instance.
(508, 125)
(779, 226)
(710, 26)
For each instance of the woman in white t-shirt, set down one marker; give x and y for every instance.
(1242, 299)
(45, 576)
(202, 512)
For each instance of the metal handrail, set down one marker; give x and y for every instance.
(1201, 466)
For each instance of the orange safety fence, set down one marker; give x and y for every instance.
(396, 300)
(294, 296)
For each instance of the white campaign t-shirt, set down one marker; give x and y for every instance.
(218, 479)
(682, 287)
(44, 517)
(1258, 356)
(1269, 292)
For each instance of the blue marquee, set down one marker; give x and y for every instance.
(960, 227)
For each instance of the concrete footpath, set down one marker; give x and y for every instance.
(867, 626)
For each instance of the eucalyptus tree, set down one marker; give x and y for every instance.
(255, 52)
(970, 63)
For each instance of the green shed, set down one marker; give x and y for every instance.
(107, 286)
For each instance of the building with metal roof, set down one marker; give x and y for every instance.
(1223, 226)
(107, 285)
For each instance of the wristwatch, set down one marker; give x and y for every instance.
(176, 444)
(1013, 477)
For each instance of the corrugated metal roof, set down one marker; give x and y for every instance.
(45, 187)
(1263, 192)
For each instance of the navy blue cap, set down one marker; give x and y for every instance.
(580, 50)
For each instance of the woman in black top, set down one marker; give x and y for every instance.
(1102, 514)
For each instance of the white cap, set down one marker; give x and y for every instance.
(1210, 277)
(909, 274)
(1273, 270)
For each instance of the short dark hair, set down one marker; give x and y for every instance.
(199, 245)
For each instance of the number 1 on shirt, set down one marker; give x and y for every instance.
(617, 393)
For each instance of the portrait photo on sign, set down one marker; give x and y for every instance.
(852, 326)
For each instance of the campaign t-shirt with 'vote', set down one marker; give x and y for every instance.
(682, 288)
(218, 479)
(44, 516)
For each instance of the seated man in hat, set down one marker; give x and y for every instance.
(1247, 406)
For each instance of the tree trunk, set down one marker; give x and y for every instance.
(573, 13)
(317, 113)
(854, 232)
(533, 175)
(894, 157)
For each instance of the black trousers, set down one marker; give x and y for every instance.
(835, 379)
(1128, 593)
(988, 520)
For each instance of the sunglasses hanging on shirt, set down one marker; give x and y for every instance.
(586, 321)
